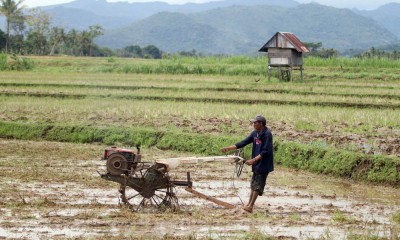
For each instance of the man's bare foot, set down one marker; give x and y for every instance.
(248, 209)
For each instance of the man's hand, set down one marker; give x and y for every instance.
(224, 149)
(250, 161)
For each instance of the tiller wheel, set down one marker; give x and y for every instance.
(149, 186)
(142, 184)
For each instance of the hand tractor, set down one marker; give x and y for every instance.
(148, 183)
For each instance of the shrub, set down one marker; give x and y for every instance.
(15, 62)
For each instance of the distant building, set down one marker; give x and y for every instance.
(285, 52)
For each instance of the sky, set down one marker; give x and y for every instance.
(360, 4)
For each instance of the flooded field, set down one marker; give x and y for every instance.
(53, 190)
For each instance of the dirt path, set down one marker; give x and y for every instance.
(52, 190)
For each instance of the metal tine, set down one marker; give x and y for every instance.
(141, 204)
(132, 196)
(157, 204)
(161, 191)
(162, 199)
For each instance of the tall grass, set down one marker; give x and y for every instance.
(230, 66)
(15, 62)
(373, 63)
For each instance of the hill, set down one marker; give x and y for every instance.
(170, 32)
(81, 19)
(132, 12)
(387, 15)
(244, 29)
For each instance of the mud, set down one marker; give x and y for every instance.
(296, 204)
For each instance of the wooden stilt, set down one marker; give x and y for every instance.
(301, 73)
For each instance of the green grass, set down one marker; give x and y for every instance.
(339, 217)
(236, 65)
(377, 169)
(396, 217)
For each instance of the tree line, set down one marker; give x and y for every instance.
(30, 31)
(378, 53)
(317, 50)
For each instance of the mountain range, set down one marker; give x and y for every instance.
(229, 26)
(387, 16)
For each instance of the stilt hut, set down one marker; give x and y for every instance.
(285, 52)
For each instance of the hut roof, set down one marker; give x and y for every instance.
(284, 40)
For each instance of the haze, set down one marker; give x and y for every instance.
(360, 4)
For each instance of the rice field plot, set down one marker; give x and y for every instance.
(208, 97)
(52, 190)
(357, 115)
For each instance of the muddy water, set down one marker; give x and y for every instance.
(296, 204)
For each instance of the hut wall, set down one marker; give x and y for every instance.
(297, 58)
(281, 57)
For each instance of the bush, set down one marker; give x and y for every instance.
(3, 61)
(15, 62)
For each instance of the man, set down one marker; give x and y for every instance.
(262, 160)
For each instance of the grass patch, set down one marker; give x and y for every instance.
(396, 217)
(257, 235)
(307, 126)
(357, 166)
(340, 217)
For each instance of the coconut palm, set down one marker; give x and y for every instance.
(11, 10)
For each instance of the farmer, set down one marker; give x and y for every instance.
(262, 160)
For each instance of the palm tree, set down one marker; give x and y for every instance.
(11, 10)
(57, 35)
(94, 31)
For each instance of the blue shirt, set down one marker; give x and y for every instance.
(262, 145)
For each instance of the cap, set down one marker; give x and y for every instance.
(259, 118)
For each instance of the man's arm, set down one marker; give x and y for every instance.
(247, 140)
(254, 160)
(227, 149)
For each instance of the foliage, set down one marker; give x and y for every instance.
(377, 53)
(136, 51)
(39, 28)
(40, 39)
(15, 62)
(317, 51)
(12, 10)
(3, 62)
(339, 163)
(3, 39)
